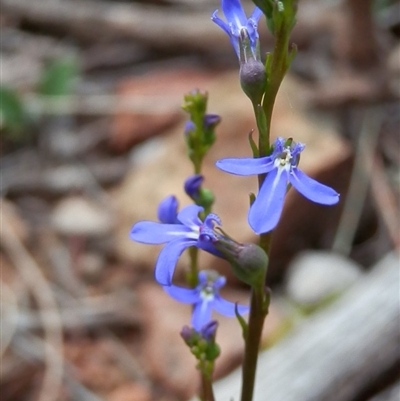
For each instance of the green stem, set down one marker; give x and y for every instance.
(275, 78)
(207, 393)
(252, 343)
(259, 303)
(192, 274)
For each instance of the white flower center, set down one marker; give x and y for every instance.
(284, 159)
(207, 292)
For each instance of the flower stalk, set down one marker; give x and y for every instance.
(258, 311)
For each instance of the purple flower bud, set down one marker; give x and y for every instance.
(192, 185)
(187, 334)
(211, 120)
(253, 79)
(209, 330)
(189, 127)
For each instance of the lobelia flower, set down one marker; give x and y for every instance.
(236, 21)
(186, 230)
(205, 297)
(281, 169)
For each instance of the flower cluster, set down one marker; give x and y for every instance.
(281, 169)
(204, 298)
(196, 228)
(180, 230)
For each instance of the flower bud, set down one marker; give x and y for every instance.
(192, 185)
(249, 262)
(253, 79)
(188, 334)
(189, 128)
(201, 196)
(210, 121)
(209, 330)
(252, 73)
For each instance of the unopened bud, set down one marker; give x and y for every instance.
(209, 330)
(211, 121)
(249, 261)
(251, 264)
(253, 79)
(192, 185)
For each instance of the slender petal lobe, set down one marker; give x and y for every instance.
(266, 210)
(312, 189)
(150, 232)
(168, 258)
(246, 165)
(256, 14)
(185, 295)
(227, 308)
(168, 210)
(201, 314)
(189, 215)
(234, 13)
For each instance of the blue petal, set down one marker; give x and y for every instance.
(234, 13)
(189, 216)
(168, 210)
(150, 232)
(297, 148)
(211, 219)
(201, 314)
(221, 23)
(208, 246)
(312, 189)
(219, 282)
(251, 27)
(185, 295)
(266, 210)
(167, 259)
(256, 14)
(203, 277)
(227, 308)
(279, 146)
(246, 165)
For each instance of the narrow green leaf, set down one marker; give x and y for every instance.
(242, 322)
(253, 145)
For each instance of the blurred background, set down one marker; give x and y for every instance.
(92, 140)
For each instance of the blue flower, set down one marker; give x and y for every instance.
(187, 230)
(281, 169)
(236, 20)
(205, 297)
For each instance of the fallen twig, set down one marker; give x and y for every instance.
(31, 273)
